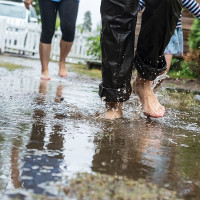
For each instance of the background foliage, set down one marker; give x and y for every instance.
(193, 57)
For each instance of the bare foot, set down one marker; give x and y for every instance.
(62, 70)
(150, 104)
(113, 110)
(45, 76)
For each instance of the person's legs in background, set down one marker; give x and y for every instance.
(117, 42)
(168, 58)
(160, 79)
(45, 50)
(48, 17)
(68, 13)
(65, 48)
(158, 24)
(175, 47)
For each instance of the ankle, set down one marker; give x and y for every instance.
(62, 62)
(114, 105)
(45, 72)
(141, 82)
(113, 110)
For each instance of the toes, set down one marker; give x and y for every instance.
(159, 112)
(153, 115)
(45, 78)
(162, 108)
(63, 74)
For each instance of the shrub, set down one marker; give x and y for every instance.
(193, 60)
(193, 56)
(94, 45)
(194, 37)
(183, 70)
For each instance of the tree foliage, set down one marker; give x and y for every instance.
(87, 24)
(194, 38)
(94, 49)
(94, 45)
(193, 57)
(80, 28)
(36, 6)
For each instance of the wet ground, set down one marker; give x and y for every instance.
(51, 130)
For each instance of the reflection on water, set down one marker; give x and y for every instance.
(144, 149)
(42, 168)
(49, 130)
(43, 158)
(134, 150)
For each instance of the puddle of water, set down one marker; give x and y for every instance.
(49, 131)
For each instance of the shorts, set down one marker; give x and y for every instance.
(175, 46)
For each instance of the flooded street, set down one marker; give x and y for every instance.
(49, 131)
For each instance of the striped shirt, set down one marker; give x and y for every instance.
(191, 5)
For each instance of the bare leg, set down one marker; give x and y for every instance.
(168, 58)
(161, 79)
(113, 110)
(45, 50)
(65, 48)
(150, 104)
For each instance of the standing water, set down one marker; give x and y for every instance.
(50, 130)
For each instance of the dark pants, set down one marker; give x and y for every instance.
(67, 9)
(117, 41)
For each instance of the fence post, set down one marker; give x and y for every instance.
(3, 28)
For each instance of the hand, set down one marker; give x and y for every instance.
(27, 3)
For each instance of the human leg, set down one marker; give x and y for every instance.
(68, 13)
(168, 58)
(158, 24)
(48, 17)
(175, 47)
(117, 44)
(65, 48)
(45, 50)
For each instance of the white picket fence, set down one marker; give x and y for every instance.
(25, 39)
(78, 50)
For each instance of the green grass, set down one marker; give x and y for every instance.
(181, 100)
(180, 75)
(83, 70)
(182, 70)
(10, 66)
(96, 73)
